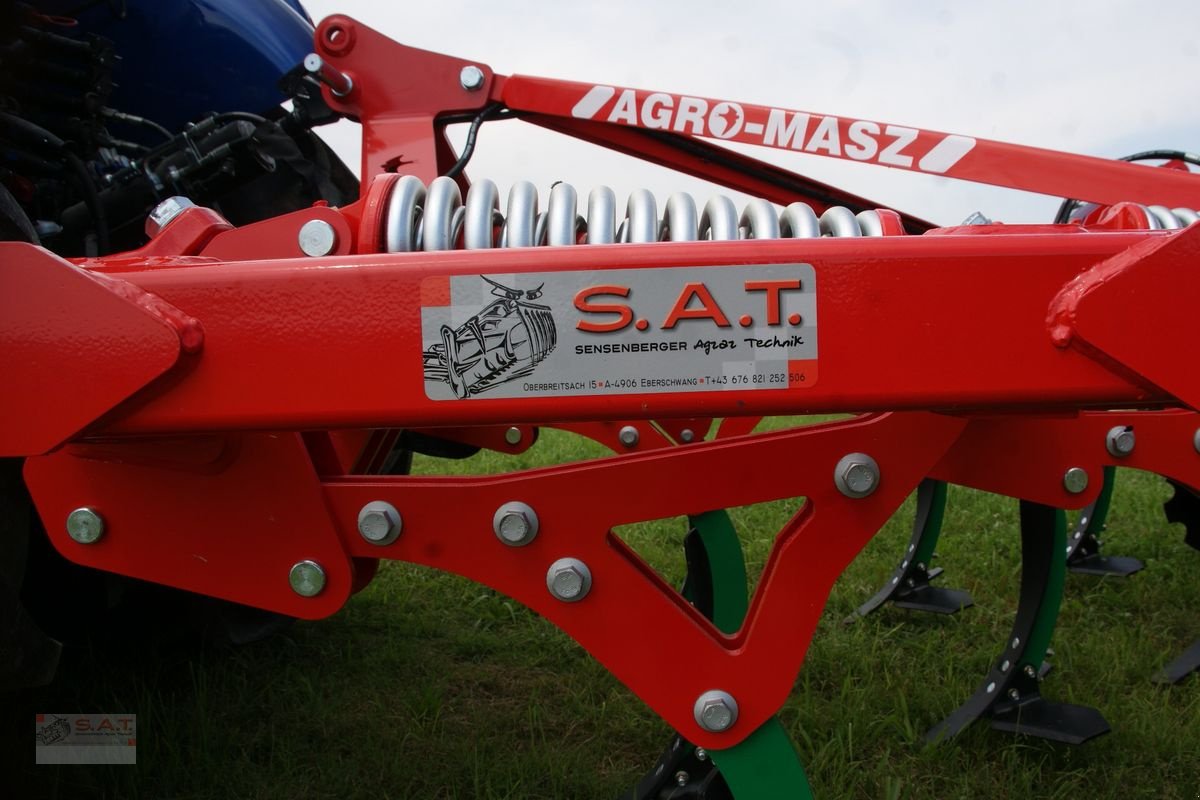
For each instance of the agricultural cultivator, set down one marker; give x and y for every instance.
(246, 392)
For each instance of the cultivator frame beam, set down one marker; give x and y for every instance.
(228, 449)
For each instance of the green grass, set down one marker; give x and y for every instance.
(428, 686)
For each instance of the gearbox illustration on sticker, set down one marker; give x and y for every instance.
(504, 341)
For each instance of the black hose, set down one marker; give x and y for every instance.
(469, 146)
(38, 137)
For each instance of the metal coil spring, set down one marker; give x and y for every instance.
(436, 218)
(1163, 218)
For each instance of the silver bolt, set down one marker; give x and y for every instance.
(1016, 642)
(1120, 441)
(307, 578)
(629, 436)
(701, 754)
(379, 522)
(686, 435)
(715, 711)
(471, 78)
(991, 687)
(681, 778)
(515, 524)
(1014, 695)
(1030, 671)
(85, 526)
(317, 238)
(166, 211)
(1075, 480)
(1196, 440)
(513, 436)
(856, 475)
(569, 579)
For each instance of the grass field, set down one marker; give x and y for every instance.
(429, 686)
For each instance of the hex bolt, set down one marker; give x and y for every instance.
(85, 526)
(569, 580)
(856, 475)
(1014, 695)
(379, 522)
(629, 436)
(513, 436)
(701, 754)
(1030, 672)
(715, 711)
(515, 524)
(307, 578)
(317, 238)
(681, 778)
(1075, 480)
(165, 212)
(686, 435)
(1120, 441)
(471, 78)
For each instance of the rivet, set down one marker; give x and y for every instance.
(307, 578)
(85, 526)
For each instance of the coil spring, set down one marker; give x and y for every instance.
(436, 218)
(1163, 218)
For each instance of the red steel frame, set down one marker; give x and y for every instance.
(207, 394)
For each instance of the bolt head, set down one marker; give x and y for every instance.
(569, 580)
(1030, 671)
(701, 754)
(629, 436)
(513, 436)
(715, 711)
(515, 524)
(165, 212)
(317, 238)
(85, 526)
(1014, 695)
(1196, 440)
(1120, 441)
(1075, 480)
(681, 778)
(687, 435)
(471, 78)
(307, 578)
(379, 522)
(856, 475)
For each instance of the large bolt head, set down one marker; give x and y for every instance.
(307, 578)
(1075, 480)
(379, 522)
(856, 475)
(515, 524)
(513, 436)
(471, 78)
(715, 711)
(1120, 441)
(85, 526)
(317, 238)
(569, 580)
(166, 211)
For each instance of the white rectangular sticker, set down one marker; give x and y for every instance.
(619, 332)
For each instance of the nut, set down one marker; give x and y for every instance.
(307, 578)
(166, 211)
(629, 436)
(85, 526)
(379, 522)
(515, 524)
(715, 711)
(569, 580)
(471, 78)
(856, 475)
(1120, 441)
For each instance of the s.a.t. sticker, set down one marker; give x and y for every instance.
(615, 332)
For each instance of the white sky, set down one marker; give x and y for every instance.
(1102, 78)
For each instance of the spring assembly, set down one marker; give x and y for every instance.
(1163, 218)
(417, 218)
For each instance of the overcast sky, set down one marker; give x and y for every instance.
(1101, 78)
